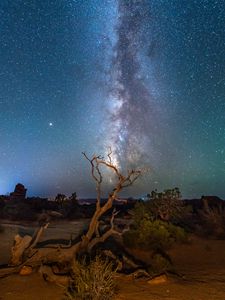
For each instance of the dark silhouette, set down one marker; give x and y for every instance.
(19, 193)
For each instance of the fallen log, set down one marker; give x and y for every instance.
(17, 251)
(6, 271)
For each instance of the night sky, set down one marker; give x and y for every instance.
(146, 77)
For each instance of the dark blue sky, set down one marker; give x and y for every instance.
(144, 77)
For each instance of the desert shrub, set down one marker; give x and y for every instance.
(154, 235)
(159, 264)
(166, 205)
(93, 280)
(177, 233)
(141, 212)
(211, 221)
(60, 199)
(153, 228)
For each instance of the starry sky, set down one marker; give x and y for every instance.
(144, 77)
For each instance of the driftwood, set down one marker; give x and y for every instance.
(26, 251)
(48, 274)
(20, 245)
(9, 271)
(24, 247)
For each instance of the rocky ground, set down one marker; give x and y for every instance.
(201, 262)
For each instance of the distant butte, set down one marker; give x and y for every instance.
(19, 193)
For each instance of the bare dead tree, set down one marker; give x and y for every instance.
(121, 183)
(34, 256)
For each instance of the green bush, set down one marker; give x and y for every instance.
(159, 264)
(141, 212)
(153, 227)
(92, 280)
(154, 235)
(178, 234)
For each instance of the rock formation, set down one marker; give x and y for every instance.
(19, 193)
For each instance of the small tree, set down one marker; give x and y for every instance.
(153, 230)
(166, 205)
(60, 199)
(73, 199)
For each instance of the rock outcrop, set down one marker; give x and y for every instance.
(19, 193)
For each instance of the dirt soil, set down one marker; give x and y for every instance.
(201, 262)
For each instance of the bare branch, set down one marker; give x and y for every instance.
(106, 235)
(38, 235)
(92, 166)
(95, 168)
(109, 155)
(131, 178)
(111, 166)
(115, 213)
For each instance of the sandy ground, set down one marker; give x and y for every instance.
(202, 262)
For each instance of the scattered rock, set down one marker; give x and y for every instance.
(26, 270)
(158, 279)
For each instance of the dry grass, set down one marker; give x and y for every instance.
(92, 280)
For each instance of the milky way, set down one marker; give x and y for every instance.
(131, 105)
